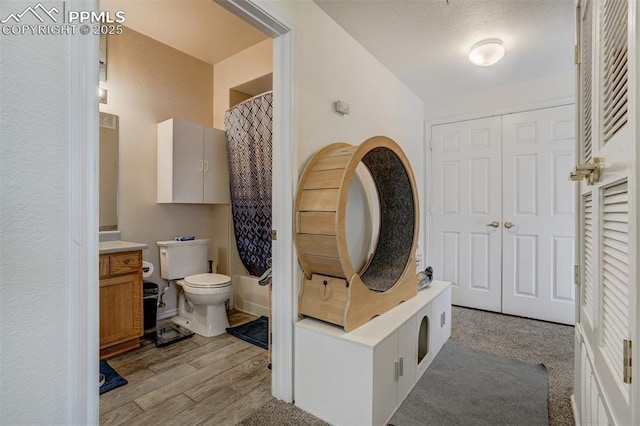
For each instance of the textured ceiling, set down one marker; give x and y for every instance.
(199, 28)
(426, 42)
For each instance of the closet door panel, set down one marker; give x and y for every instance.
(466, 199)
(538, 214)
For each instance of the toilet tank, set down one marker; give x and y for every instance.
(179, 259)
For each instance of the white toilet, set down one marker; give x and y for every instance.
(201, 300)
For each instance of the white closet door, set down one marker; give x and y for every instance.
(538, 214)
(467, 197)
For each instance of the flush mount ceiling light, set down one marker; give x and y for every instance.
(486, 52)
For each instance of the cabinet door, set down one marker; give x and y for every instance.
(441, 317)
(188, 162)
(385, 379)
(120, 308)
(395, 361)
(407, 358)
(216, 168)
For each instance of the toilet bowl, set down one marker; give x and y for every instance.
(201, 303)
(201, 296)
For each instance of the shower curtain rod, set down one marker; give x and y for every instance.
(250, 99)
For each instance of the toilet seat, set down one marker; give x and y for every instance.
(203, 281)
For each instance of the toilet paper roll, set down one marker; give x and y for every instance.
(147, 269)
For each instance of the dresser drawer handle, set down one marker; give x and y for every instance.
(126, 261)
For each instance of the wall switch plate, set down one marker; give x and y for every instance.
(341, 107)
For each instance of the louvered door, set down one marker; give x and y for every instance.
(615, 272)
(586, 81)
(588, 297)
(608, 214)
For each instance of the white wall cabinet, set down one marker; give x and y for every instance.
(192, 164)
(441, 313)
(361, 377)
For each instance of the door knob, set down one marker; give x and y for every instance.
(588, 171)
(494, 224)
(508, 225)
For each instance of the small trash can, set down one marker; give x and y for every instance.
(149, 305)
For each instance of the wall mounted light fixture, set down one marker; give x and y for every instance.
(486, 52)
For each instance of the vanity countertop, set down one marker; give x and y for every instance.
(119, 245)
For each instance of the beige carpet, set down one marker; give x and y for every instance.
(520, 338)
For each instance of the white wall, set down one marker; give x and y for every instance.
(35, 199)
(502, 98)
(240, 68)
(331, 65)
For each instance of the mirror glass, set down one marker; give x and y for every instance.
(108, 182)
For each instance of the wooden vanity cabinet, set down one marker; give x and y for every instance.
(120, 302)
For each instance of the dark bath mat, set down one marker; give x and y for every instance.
(254, 332)
(112, 378)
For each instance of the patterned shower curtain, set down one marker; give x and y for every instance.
(249, 147)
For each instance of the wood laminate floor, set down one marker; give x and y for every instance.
(199, 381)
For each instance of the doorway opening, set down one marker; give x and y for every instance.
(283, 252)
